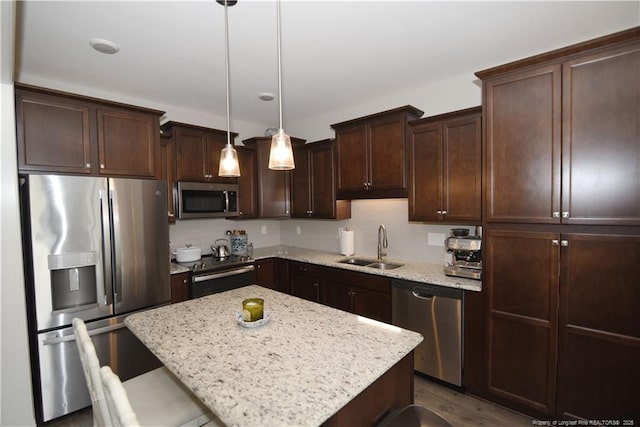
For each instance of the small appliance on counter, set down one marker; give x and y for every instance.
(466, 254)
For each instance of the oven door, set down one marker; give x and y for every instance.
(221, 280)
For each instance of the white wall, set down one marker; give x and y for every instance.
(16, 404)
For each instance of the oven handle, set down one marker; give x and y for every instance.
(233, 272)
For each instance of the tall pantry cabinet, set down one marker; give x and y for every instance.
(562, 230)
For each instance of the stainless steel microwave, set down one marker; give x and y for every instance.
(204, 200)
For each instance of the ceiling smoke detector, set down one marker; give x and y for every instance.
(104, 46)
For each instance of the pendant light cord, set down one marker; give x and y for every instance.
(279, 68)
(226, 64)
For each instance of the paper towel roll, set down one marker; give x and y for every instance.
(347, 242)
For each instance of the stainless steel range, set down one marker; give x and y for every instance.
(210, 275)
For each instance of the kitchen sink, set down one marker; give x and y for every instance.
(371, 263)
(384, 265)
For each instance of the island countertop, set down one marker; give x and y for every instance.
(298, 369)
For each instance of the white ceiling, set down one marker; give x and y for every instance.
(333, 52)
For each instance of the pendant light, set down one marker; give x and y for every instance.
(229, 166)
(281, 154)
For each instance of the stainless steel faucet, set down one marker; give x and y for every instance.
(382, 241)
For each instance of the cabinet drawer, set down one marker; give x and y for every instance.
(357, 280)
(303, 268)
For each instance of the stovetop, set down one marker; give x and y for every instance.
(209, 263)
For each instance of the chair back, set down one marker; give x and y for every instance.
(91, 368)
(120, 410)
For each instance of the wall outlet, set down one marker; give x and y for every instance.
(264, 229)
(298, 230)
(436, 239)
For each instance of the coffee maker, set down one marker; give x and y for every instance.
(464, 254)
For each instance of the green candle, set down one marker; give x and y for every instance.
(252, 309)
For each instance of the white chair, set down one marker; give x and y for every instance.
(157, 397)
(120, 410)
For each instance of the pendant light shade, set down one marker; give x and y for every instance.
(229, 166)
(281, 154)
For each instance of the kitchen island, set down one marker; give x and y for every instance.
(308, 365)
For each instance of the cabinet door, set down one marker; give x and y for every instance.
(462, 169)
(248, 183)
(305, 287)
(387, 155)
(337, 295)
(425, 171)
(301, 184)
(273, 199)
(352, 158)
(167, 172)
(191, 152)
(179, 287)
(523, 116)
(127, 143)
(53, 134)
(266, 273)
(375, 305)
(521, 277)
(599, 333)
(323, 192)
(601, 130)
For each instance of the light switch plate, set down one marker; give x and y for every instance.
(264, 229)
(436, 239)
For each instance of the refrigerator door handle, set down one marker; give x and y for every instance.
(97, 331)
(106, 246)
(116, 246)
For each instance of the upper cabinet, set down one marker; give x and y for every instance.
(313, 190)
(371, 154)
(197, 152)
(273, 193)
(562, 134)
(66, 133)
(445, 167)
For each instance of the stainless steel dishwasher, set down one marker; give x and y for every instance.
(436, 313)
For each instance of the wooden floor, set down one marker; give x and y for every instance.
(459, 409)
(463, 410)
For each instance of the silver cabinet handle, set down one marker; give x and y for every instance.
(555, 242)
(101, 165)
(87, 165)
(444, 212)
(564, 243)
(555, 215)
(565, 214)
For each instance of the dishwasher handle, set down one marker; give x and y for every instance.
(418, 294)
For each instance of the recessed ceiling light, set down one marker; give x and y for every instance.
(266, 96)
(104, 46)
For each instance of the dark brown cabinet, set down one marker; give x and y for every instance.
(445, 167)
(248, 183)
(313, 191)
(273, 192)
(599, 327)
(68, 133)
(363, 294)
(304, 280)
(197, 152)
(563, 332)
(371, 154)
(561, 138)
(179, 287)
(266, 272)
(167, 172)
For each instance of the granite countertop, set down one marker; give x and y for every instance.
(415, 271)
(298, 369)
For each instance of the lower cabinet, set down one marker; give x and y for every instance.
(179, 287)
(364, 294)
(304, 280)
(563, 325)
(266, 273)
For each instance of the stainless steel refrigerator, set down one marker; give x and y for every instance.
(97, 249)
